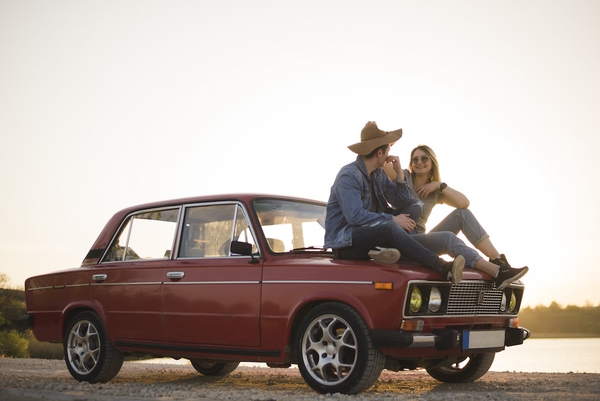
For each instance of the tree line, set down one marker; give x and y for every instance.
(555, 321)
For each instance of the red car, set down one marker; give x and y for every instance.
(226, 279)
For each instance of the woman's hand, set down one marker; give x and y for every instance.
(405, 222)
(452, 197)
(424, 190)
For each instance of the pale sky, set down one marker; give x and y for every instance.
(109, 104)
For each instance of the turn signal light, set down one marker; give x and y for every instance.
(412, 325)
(383, 286)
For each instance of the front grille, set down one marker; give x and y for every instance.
(474, 298)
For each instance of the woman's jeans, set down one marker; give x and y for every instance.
(421, 248)
(462, 220)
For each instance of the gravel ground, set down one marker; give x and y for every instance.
(36, 379)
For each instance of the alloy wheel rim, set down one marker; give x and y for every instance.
(330, 350)
(83, 347)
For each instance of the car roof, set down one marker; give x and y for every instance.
(109, 228)
(244, 197)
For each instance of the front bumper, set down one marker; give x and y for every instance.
(446, 339)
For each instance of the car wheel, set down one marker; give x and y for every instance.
(209, 368)
(88, 352)
(335, 352)
(466, 371)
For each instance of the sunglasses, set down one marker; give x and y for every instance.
(424, 159)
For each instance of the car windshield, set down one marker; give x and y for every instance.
(291, 225)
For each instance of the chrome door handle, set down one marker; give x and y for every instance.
(176, 275)
(99, 277)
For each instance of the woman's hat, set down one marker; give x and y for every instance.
(372, 137)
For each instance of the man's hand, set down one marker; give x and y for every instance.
(395, 161)
(405, 222)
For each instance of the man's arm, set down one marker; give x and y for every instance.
(349, 196)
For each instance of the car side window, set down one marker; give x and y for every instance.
(209, 229)
(147, 235)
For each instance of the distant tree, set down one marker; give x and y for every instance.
(3, 280)
(13, 345)
(12, 305)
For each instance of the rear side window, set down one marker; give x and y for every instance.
(147, 235)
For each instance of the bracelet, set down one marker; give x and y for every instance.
(443, 186)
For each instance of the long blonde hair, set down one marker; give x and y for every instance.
(434, 174)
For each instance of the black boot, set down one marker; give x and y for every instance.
(507, 275)
(501, 261)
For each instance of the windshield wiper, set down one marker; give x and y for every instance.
(309, 249)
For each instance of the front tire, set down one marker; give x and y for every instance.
(209, 368)
(88, 352)
(473, 368)
(335, 351)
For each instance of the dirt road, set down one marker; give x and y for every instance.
(35, 380)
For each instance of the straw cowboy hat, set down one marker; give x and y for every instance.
(372, 137)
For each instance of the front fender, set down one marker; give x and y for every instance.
(304, 305)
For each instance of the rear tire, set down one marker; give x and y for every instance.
(473, 368)
(89, 355)
(209, 368)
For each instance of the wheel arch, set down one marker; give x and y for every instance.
(72, 310)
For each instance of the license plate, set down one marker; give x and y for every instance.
(483, 339)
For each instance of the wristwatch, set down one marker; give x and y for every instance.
(443, 186)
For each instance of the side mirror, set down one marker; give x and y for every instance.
(243, 248)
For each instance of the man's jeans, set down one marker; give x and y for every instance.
(462, 220)
(421, 248)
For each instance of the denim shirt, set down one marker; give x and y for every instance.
(349, 203)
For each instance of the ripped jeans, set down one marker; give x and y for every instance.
(462, 220)
(421, 248)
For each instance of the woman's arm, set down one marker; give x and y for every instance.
(455, 198)
(452, 197)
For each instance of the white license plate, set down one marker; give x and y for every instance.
(483, 339)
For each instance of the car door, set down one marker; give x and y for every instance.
(128, 283)
(213, 297)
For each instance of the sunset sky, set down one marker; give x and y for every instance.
(108, 104)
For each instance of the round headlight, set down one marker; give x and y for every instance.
(416, 300)
(513, 302)
(503, 303)
(435, 299)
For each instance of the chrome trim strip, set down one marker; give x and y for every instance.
(212, 282)
(41, 288)
(316, 282)
(141, 283)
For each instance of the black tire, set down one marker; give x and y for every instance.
(473, 368)
(335, 351)
(209, 368)
(88, 352)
